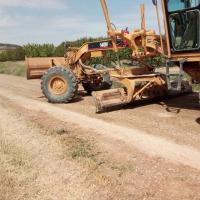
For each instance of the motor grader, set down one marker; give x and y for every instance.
(60, 76)
(180, 45)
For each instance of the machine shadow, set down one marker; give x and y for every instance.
(189, 102)
(198, 120)
(83, 93)
(170, 104)
(78, 98)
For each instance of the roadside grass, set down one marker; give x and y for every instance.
(17, 68)
(14, 165)
(81, 149)
(84, 151)
(121, 169)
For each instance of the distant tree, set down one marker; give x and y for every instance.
(31, 50)
(37, 50)
(46, 50)
(49, 50)
(3, 56)
(60, 50)
(19, 53)
(16, 54)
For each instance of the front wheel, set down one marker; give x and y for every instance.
(59, 85)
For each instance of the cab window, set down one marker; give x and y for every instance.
(175, 5)
(184, 28)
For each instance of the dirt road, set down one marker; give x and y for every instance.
(68, 152)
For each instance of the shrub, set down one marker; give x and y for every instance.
(38, 50)
(12, 55)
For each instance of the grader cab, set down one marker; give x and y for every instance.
(180, 45)
(182, 34)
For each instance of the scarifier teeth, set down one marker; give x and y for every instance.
(109, 98)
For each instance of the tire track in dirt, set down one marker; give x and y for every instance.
(151, 145)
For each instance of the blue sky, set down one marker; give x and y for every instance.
(54, 21)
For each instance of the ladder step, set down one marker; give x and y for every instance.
(177, 76)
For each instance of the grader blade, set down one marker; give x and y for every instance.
(109, 98)
(38, 66)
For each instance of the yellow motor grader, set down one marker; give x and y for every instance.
(180, 45)
(61, 75)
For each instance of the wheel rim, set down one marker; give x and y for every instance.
(58, 85)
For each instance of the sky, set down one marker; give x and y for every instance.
(55, 21)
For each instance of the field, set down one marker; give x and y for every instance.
(14, 68)
(143, 151)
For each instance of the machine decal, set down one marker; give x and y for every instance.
(104, 45)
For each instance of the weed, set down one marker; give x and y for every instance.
(122, 169)
(80, 149)
(61, 131)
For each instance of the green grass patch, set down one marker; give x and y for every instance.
(196, 87)
(81, 149)
(17, 68)
(122, 169)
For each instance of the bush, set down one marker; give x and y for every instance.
(3, 56)
(158, 61)
(37, 50)
(60, 50)
(12, 55)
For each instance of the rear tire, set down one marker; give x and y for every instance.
(105, 84)
(59, 85)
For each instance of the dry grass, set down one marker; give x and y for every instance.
(15, 168)
(50, 159)
(122, 169)
(38, 163)
(17, 68)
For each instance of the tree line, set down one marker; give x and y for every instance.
(32, 50)
(50, 50)
(42, 50)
